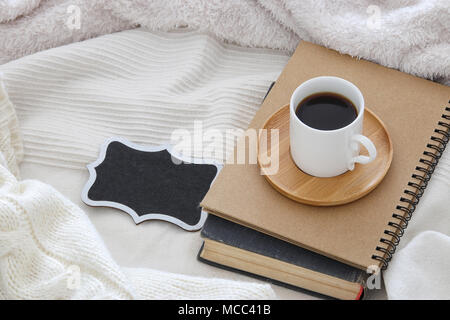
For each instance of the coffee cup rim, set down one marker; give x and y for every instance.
(346, 82)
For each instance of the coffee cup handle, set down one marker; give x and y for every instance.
(368, 144)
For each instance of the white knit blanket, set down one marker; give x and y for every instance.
(64, 97)
(68, 100)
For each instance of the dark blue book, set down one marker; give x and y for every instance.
(234, 246)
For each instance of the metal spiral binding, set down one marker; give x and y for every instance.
(420, 182)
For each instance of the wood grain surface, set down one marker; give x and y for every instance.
(304, 188)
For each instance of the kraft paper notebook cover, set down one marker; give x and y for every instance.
(363, 233)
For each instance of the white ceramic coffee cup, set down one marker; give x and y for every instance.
(328, 153)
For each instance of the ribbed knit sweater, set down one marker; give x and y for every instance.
(135, 84)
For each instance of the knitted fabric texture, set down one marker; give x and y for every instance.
(50, 250)
(11, 149)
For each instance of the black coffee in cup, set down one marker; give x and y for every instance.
(326, 111)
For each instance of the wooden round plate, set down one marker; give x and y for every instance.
(293, 183)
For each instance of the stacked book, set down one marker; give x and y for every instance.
(330, 250)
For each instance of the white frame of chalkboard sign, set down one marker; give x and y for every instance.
(148, 216)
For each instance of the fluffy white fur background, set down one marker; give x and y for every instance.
(11, 9)
(410, 35)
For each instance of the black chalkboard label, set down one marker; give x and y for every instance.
(149, 183)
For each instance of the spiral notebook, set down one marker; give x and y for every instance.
(366, 232)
